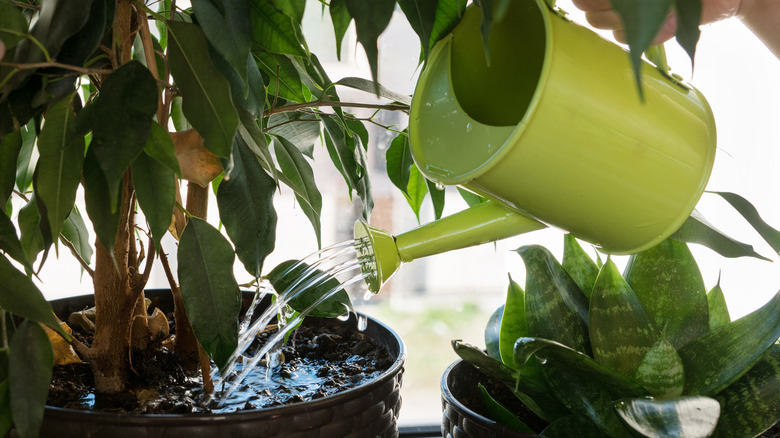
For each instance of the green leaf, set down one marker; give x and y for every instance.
(339, 16)
(211, 295)
(75, 230)
(155, 187)
(493, 333)
(697, 229)
(581, 268)
(275, 31)
(29, 364)
(715, 360)
(228, 28)
(180, 123)
(291, 273)
(582, 384)
(258, 143)
(643, 20)
(719, 311)
(421, 15)
(488, 365)
(416, 191)
(688, 16)
(160, 147)
(284, 80)
(206, 93)
(30, 233)
(555, 308)
(470, 198)
(448, 15)
(749, 212)
(250, 97)
(750, 405)
(300, 129)
(97, 198)
(661, 371)
(9, 242)
(513, 325)
(20, 296)
(621, 332)
(10, 146)
(300, 173)
(373, 87)
(398, 159)
(349, 159)
(245, 200)
(486, 8)
(668, 283)
(371, 19)
(58, 171)
(498, 413)
(13, 25)
(674, 418)
(28, 157)
(121, 120)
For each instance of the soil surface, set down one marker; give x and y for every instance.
(323, 357)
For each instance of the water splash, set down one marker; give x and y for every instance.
(344, 261)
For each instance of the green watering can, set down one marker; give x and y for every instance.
(553, 132)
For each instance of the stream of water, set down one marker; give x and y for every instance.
(345, 262)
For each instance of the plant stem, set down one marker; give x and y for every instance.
(54, 64)
(328, 103)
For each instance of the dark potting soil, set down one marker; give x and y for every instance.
(323, 357)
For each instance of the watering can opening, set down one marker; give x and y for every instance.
(497, 88)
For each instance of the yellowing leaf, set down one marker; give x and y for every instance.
(197, 163)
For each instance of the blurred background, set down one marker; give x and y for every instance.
(450, 296)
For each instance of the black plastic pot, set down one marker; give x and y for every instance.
(366, 411)
(460, 405)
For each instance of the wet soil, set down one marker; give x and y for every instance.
(322, 358)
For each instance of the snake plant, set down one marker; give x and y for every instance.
(647, 353)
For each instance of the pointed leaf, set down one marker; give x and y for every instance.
(749, 212)
(448, 15)
(437, 198)
(373, 87)
(258, 143)
(13, 25)
(493, 332)
(9, 242)
(30, 234)
(339, 16)
(715, 360)
(486, 8)
(97, 198)
(28, 157)
(228, 28)
(471, 198)
(75, 230)
(688, 15)
(275, 31)
(249, 94)
(291, 273)
(245, 200)
(398, 159)
(284, 80)
(513, 325)
(20, 296)
(421, 15)
(10, 146)
(498, 413)
(751, 405)
(484, 363)
(661, 371)
(341, 149)
(300, 129)
(555, 308)
(155, 187)
(29, 368)
(292, 8)
(58, 171)
(160, 147)
(621, 333)
(121, 120)
(371, 19)
(416, 191)
(211, 295)
(685, 417)
(668, 283)
(206, 93)
(300, 173)
(583, 269)
(719, 311)
(697, 229)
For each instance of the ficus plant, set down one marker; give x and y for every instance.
(142, 108)
(646, 353)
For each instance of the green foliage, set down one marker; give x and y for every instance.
(660, 366)
(289, 275)
(29, 374)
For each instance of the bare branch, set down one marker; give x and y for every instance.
(54, 64)
(74, 251)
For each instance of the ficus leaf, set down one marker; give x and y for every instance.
(486, 8)
(555, 308)
(27, 158)
(155, 187)
(75, 230)
(13, 25)
(448, 15)
(300, 173)
(20, 296)
(398, 161)
(284, 80)
(275, 31)
(421, 15)
(371, 19)
(211, 295)
(300, 129)
(688, 16)
(105, 220)
(197, 164)
(30, 369)
(668, 283)
(160, 146)
(9, 242)
(245, 200)
(290, 275)
(372, 87)
(228, 28)
(10, 146)
(437, 198)
(416, 190)
(206, 93)
(339, 16)
(30, 234)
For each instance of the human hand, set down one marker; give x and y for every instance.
(601, 15)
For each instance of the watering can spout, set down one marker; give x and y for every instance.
(382, 254)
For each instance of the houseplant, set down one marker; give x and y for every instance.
(93, 89)
(648, 353)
